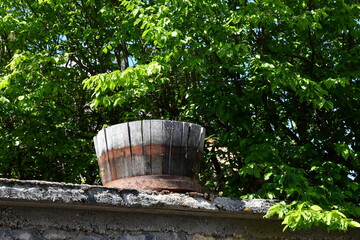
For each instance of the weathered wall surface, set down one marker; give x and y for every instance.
(52, 211)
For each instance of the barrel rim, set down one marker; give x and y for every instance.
(176, 121)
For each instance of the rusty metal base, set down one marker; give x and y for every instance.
(157, 183)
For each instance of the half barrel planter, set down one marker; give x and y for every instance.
(150, 155)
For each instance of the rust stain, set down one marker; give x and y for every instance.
(157, 183)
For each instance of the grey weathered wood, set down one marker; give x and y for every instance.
(135, 130)
(157, 139)
(137, 153)
(186, 132)
(119, 135)
(178, 133)
(202, 140)
(101, 146)
(146, 131)
(193, 143)
(98, 154)
(110, 156)
(97, 151)
(176, 148)
(195, 131)
(199, 149)
(99, 142)
(118, 139)
(168, 137)
(184, 147)
(168, 132)
(146, 126)
(157, 133)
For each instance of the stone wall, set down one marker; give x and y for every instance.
(52, 211)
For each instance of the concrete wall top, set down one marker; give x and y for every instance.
(65, 195)
(38, 210)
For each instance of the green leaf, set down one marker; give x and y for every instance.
(316, 208)
(354, 224)
(267, 176)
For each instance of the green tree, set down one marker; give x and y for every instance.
(46, 50)
(275, 83)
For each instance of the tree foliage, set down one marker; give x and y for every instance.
(275, 83)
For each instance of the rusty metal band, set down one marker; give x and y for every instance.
(139, 151)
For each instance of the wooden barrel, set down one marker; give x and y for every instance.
(150, 154)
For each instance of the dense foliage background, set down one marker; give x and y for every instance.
(275, 83)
